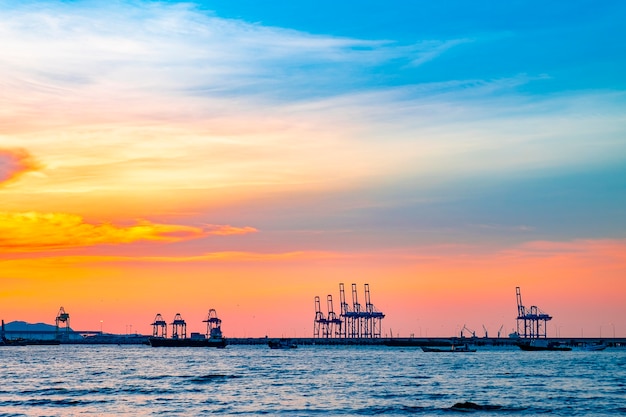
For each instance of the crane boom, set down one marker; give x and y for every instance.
(520, 307)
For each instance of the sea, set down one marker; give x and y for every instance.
(241, 380)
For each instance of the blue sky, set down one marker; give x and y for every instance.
(577, 44)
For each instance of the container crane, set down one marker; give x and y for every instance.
(179, 327)
(63, 319)
(347, 314)
(213, 325)
(320, 326)
(531, 322)
(159, 327)
(373, 318)
(334, 322)
(354, 321)
(358, 315)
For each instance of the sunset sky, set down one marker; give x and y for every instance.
(172, 157)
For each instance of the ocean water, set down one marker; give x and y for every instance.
(101, 380)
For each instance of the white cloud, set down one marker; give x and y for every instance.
(171, 48)
(148, 94)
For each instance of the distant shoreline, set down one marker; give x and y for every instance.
(137, 339)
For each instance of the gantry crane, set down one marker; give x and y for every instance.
(320, 327)
(347, 315)
(179, 327)
(159, 326)
(358, 316)
(213, 325)
(531, 323)
(334, 323)
(373, 317)
(63, 318)
(353, 321)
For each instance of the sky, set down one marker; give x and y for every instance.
(174, 157)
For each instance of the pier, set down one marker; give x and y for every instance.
(423, 341)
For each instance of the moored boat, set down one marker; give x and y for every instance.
(595, 347)
(282, 344)
(12, 342)
(212, 338)
(452, 348)
(542, 345)
(187, 342)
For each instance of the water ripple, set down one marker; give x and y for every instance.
(309, 381)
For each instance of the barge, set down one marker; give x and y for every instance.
(212, 338)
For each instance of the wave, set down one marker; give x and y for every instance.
(210, 378)
(471, 406)
(49, 402)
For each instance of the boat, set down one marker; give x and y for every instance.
(28, 342)
(595, 347)
(452, 348)
(542, 345)
(282, 344)
(12, 342)
(212, 338)
(187, 342)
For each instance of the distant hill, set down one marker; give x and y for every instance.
(22, 326)
(37, 331)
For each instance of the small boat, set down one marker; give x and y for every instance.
(452, 348)
(282, 344)
(542, 345)
(12, 342)
(595, 347)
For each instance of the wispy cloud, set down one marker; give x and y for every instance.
(136, 49)
(31, 231)
(429, 50)
(81, 80)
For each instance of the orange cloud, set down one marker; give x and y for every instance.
(15, 162)
(213, 257)
(31, 231)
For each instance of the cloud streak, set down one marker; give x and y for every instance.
(32, 232)
(178, 50)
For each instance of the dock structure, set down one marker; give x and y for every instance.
(354, 321)
(531, 322)
(62, 322)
